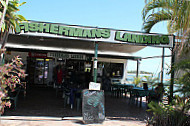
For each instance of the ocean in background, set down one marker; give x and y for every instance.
(131, 76)
(166, 80)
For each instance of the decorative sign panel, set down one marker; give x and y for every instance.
(93, 109)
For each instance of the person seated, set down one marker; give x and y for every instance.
(145, 85)
(158, 93)
(107, 83)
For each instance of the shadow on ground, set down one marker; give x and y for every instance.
(43, 102)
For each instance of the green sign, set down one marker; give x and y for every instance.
(142, 39)
(93, 34)
(63, 30)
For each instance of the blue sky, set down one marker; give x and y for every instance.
(117, 14)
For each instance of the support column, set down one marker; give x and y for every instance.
(172, 76)
(137, 73)
(124, 72)
(162, 67)
(95, 61)
(172, 72)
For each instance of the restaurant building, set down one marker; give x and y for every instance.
(80, 51)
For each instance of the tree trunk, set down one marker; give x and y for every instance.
(4, 39)
(3, 15)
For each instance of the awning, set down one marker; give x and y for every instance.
(26, 42)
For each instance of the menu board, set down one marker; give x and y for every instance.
(93, 109)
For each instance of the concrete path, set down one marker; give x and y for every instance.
(67, 121)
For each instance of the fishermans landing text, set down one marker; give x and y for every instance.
(94, 34)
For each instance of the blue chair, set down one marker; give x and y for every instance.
(66, 96)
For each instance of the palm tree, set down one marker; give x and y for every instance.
(3, 12)
(9, 18)
(176, 12)
(184, 78)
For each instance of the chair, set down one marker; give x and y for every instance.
(13, 96)
(128, 88)
(114, 90)
(78, 98)
(133, 95)
(23, 89)
(140, 94)
(72, 96)
(58, 88)
(66, 96)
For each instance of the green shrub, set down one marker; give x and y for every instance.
(176, 114)
(10, 75)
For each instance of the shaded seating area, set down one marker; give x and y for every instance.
(70, 97)
(43, 102)
(135, 93)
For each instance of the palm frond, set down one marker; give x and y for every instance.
(11, 17)
(154, 18)
(166, 5)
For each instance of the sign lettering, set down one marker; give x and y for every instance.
(94, 34)
(67, 56)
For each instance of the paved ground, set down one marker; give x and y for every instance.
(43, 108)
(68, 121)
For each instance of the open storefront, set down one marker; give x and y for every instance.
(83, 54)
(60, 43)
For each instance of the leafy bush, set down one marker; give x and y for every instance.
(137, 81)
(178, 112)
(150, 80)
(10, 76)
(170, 115)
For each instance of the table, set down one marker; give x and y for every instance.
(141, 92)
